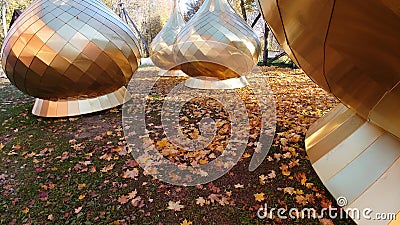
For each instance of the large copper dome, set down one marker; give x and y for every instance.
(163, 44)
(69, 50)
(217, 43)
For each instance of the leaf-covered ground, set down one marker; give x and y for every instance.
(78, 170)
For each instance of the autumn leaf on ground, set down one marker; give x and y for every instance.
(246, 155)
(107, 157)
(78, 210)
(185, 222)
(123, 199)
(300, 199)
(108, 168)
(284, 168)
(272, 174)
(259, 197)
(3, 176)
(1, 146)
(81, 186)
(239, 186)
(302, 178)
(136, 202)
(325, 221)
(25, 211)
(289, 190)
(214, 198)
(131, 173)
(16, 147)
(175, 206)
(132, 194)
(200, 201)
(81, 197)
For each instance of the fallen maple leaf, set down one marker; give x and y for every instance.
(185, 222)
(123, 199)
(300, 199)
(132, 194)
(289, 190)
(200, 201)
(136, 201)
(107, 157)
(131, 173)
(259, 197)
(108, 168)
(175, 206)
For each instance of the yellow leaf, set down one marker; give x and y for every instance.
(259, 197)
(289, 190)
(81, 186)
(25, 211)
(246, 155)
(109, 133)
(162, 143)
(301, 199)
(286, 172)
(16, 147)
(185, 222)
(81, 197)
(203, 161)
(1, 146)
(309, 185)
(132, 194)
(108, 168)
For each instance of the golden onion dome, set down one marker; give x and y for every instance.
(69, 49)
(162, 45)
(216, 43)
(349, 48)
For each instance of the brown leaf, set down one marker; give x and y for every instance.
(175, 206)
(123, 199)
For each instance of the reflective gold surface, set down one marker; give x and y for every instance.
(357, 160)
(216, 43)
(350, 48)
(162, 46)
(69, 50)
(74, 107)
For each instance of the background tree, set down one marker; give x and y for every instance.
(151, 27)
(7, 9)
(192, 7)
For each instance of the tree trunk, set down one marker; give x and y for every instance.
(242, 6)
(3, 15)
(265, 55)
